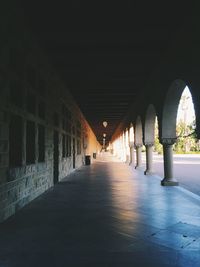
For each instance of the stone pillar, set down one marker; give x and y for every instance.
(169, 179)
(149, 159)
(132, 154)
(138, 156)
(127, 159)
(127, 154)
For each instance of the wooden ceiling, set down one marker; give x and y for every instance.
(105, 52)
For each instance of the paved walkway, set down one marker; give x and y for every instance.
(186, 170)
(105, 214)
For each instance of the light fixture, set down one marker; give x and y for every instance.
(105, 124)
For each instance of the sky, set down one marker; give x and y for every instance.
(186, 107)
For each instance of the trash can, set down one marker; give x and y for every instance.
(94, 155)
(87, 160)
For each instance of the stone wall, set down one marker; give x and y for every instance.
(42, 130)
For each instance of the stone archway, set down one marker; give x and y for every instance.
(149, 137)
(127, 151)
(149, 126)
(168, 129)
(138, 131)
(131, 145)
(138, 142)
(131, 134)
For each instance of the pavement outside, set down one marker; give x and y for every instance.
(186, 170)
(105, 214)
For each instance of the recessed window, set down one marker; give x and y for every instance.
(78, 135)
(30, 142)
(78, 129)
(78, 146)
(66, 119)
(68, 145)
(64, 145)
(15, 141)
(41, 143)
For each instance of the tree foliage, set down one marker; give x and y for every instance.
(186, 138)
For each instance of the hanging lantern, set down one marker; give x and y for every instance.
(105, 124)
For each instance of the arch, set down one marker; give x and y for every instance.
(138, 131)
(168, 129)
(127, 147)
(149, 127)
(116, 146)
(127, 137)
(131, 134)
(123, 145)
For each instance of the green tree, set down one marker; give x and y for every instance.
(186, 138)
(157, 145)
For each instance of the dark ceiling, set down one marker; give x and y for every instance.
(105, 52)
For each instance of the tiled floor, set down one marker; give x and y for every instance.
(106, 214)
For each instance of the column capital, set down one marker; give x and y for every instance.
(138, 145)
(131, 144)
(168, 141)
(149, 144)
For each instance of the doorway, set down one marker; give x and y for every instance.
(56, 157)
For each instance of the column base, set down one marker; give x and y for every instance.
(139, 168)
(166, 182)
(127, 159)
(149, 172)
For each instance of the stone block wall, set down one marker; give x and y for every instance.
(35, 106)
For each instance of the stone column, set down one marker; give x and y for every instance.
(127, 154)
(138, 156)
(149, 159)
(169, 179)
(132, 154)
(127, 159)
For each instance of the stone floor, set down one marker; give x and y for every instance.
(106, 214)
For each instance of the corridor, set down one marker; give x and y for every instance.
(105, 214)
